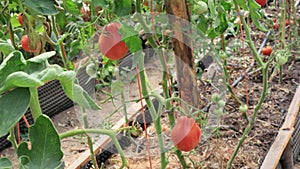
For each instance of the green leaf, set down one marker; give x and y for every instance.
(76, 92)
(13, 105)
(12, 63)
(130, 37)
(43, 7)
(122, 8)
(242, 4)
(71, 6)
(21, 79)
(45, 149)
(6, 48)
(42, 57)
(102, 3)
(256, 14)
(226, 5)
(202, 24)
(5, 163)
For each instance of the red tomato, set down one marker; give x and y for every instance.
(25, 44)
(274, 20)
(20, 18)
(275, 26)
(186, 134)
(110, 42)
(266, 50)
(261, 2)
(287, 22)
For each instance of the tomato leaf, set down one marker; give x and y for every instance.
(6, 48)
(242, 4)
(71, 6)
(122, 8)
(76, 92)
(5, 163)
(43, 7)
(45, 149)
(15, 71)
(256, 14)
(12, 113)
(130, 37)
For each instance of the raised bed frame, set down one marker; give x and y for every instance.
(286, 147)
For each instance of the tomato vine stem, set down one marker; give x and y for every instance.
(264, 67)
(110, 133)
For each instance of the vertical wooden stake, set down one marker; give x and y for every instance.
(179, 16)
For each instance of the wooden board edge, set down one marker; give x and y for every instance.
(293, 110)
(275, 152)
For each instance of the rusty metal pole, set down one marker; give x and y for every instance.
(179, 16)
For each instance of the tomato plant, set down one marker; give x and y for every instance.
(266, 50)
(186, 134)
(110, 42)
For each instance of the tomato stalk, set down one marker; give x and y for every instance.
(164, 84)
(110, 133)
(90, 143)
(34, 103)
(253, 118)
(155, 117)
(264, 67)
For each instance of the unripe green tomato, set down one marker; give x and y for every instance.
(219, 111)
(281, 60)
(243, 108)
(222, 55)
(91, 69)
(215, 98)
(221, 103)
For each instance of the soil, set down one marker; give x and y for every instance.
(219, 136)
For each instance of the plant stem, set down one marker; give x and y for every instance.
(227, 82)
(264, 91)
(253, 118)
(249, 39)
(156, 119)
(34, 103)
(164, 82)
(110, 133)
(12, 139)
(90, 143)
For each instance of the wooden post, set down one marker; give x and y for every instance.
(179, 16)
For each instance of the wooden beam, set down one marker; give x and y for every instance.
(179, 16)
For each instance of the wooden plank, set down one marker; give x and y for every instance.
(277, 148)
(86, 156)
(183, 50)
(292, 111)
(284, 136)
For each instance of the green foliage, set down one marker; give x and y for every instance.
(130, 37)
(12, 113)
(45, 149)
(15, 71)
(5, 163)
(42, 7)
